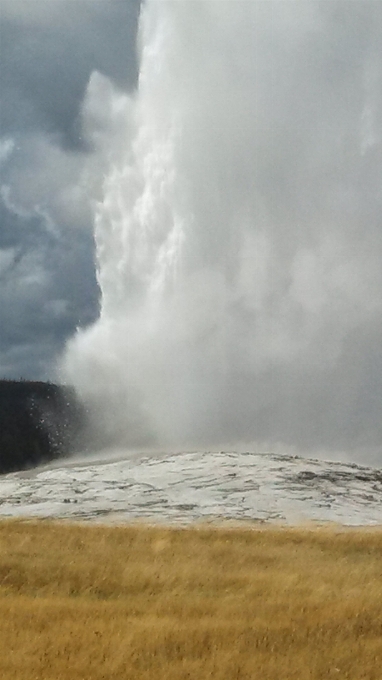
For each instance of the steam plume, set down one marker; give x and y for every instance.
(239, 238)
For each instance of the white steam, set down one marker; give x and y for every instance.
(239, 238)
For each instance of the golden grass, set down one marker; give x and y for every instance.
(81, 602)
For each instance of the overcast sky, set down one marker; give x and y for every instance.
(48, 51)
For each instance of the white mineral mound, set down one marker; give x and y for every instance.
(191, 486)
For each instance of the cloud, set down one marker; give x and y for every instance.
(51, 174)
(49, 50)
(6, 148)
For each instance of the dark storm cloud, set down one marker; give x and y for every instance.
(48, 174)
(47, 290)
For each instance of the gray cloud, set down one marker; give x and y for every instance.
(50, 173)
(49, 48)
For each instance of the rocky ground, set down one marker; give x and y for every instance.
(191, 486)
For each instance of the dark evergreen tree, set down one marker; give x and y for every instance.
(38, 423)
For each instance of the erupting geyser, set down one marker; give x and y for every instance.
(238, 237)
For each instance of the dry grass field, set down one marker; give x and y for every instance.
(82, 602)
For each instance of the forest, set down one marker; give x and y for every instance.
(39, 422)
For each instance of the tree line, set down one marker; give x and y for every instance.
(39, 422)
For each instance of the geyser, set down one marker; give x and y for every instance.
(238, 236)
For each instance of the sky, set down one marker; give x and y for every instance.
(49, 173)
(208, 216)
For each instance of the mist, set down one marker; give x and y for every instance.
(238, 234)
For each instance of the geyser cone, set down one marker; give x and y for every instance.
(238, 238)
